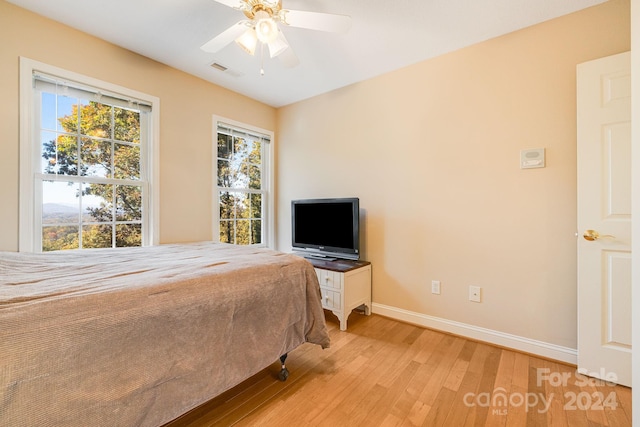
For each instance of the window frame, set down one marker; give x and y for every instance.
(29, 238)
(268, 217)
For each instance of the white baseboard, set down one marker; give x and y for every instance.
(527, 345)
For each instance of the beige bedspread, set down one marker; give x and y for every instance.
(138, 336)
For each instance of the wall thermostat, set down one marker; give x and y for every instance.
(532, 158)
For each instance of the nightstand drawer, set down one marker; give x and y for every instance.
(329, 279)
(330, 300)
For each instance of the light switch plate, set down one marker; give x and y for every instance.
(533, 158)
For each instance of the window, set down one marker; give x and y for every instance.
(86, 167)
(243, 189)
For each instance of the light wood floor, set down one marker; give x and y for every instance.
(381, 372)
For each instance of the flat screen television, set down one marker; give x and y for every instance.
(326, 228)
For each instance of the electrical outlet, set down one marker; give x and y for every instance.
(475, 293)
(435, 287)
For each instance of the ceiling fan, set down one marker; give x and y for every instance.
(262, 26)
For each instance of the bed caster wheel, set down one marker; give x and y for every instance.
(283, 375)
(284, 372)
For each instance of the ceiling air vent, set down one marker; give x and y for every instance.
(219, 66)
(226, 70)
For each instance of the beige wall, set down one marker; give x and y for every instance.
(432, 151)
(186, 106)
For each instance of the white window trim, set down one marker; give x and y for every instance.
(268, 179)
(27, 238)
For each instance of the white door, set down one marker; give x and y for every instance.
(604, 218)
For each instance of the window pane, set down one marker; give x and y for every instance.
(48, 152)
(255, 181)
(95, 157)
(97, 205)
(224, 174)
(226, 206)
(126, 161)
(242, 232)
(126, 125)
(95, 119)
(240, 175)
(226, 232)
(59, 237)
(224, 146)
(67, 155)
(60, 202)
(96, 236)
(240, 149)
(60, 153)
(67, 114)
(128, 203)
(243, 208)
(255, 156)
(256, 206)
(256, 232)
(48, 111)
(128, 235)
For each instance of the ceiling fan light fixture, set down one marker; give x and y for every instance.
(266, 28)
(248, 41)
(264, 18)
(278, 46)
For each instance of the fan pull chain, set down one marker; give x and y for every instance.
(262, 59)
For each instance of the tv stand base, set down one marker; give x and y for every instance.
(321, 257)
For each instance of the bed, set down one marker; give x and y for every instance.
(139, 336)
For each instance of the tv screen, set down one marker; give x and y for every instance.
(327, 228)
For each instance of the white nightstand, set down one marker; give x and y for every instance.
(345, 285)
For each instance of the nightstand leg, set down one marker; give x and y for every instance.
(342, 317)
(367, 309)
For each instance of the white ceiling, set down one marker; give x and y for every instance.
(386, 35)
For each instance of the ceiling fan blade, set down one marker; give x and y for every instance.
(317, 21)
(288, 58)
(225, 37)
(231, 3)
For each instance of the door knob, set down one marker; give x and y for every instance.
(592, 235)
